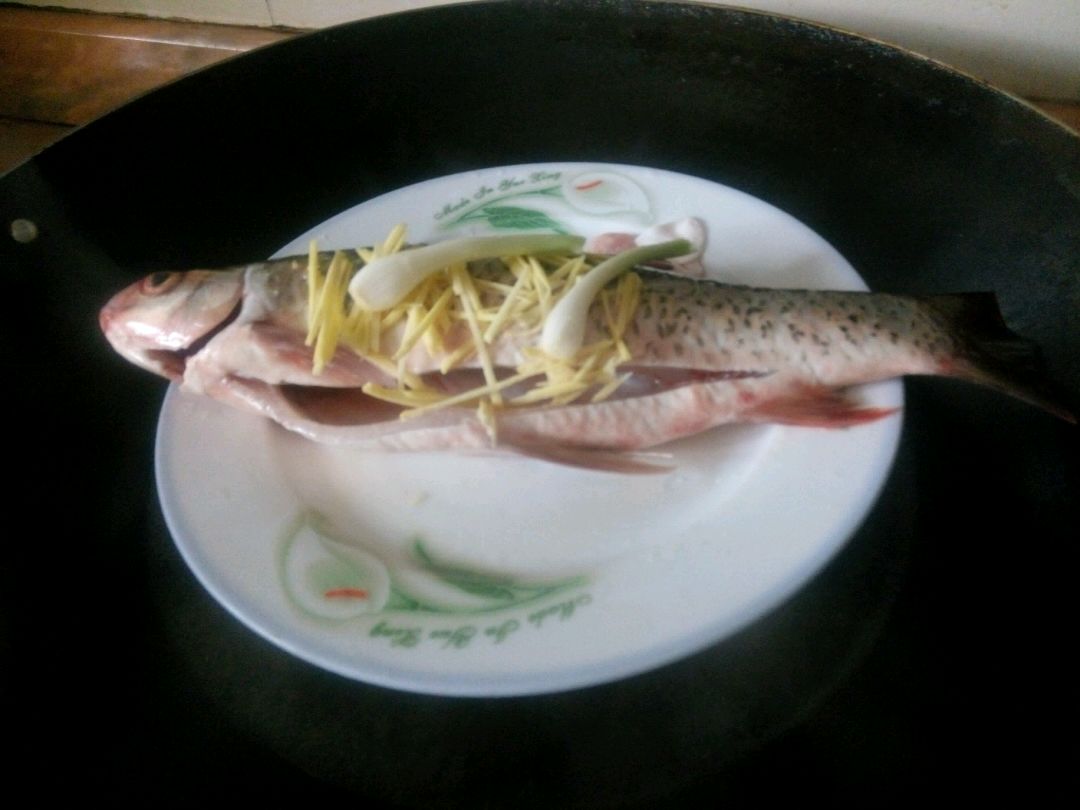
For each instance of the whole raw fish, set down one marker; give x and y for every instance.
(703, 354)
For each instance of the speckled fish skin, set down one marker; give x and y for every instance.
(827, 337)
(703, 354)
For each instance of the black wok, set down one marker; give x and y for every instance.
(933, 653)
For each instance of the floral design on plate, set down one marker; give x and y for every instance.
(328, 577)
(542, 200)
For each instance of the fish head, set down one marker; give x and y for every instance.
(160, 320)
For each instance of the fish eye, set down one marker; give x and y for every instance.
(159, 282)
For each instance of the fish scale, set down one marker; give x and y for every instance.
(831, 338)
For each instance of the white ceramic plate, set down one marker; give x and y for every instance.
(464, 575)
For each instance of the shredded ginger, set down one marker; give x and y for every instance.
(455, 301)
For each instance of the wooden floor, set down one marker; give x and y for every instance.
(60, 69)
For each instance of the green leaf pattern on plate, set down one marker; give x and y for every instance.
(591, 193)
(514, 218)
(325, 576)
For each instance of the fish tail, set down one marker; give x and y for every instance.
(992, 354)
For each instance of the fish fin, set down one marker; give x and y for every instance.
(814, 406)
(992, 354)
(591, 459)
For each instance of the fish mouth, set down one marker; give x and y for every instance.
(171, 363)
(160, 321)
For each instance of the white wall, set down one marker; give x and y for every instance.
(1031, 47)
